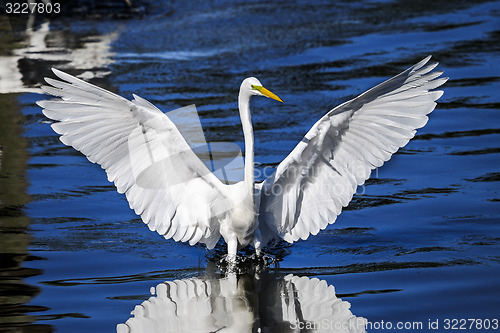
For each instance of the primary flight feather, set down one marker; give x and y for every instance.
(148, 159)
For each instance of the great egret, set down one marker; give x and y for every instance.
(177, 195)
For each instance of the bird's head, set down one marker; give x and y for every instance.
(254, 87)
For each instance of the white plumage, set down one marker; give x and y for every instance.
(149, 160)
(229, 304)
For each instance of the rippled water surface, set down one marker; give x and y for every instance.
(419, 243)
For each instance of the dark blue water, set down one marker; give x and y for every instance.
(420, 241)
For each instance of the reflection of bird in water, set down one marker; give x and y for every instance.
(269, 303)
(149, 160)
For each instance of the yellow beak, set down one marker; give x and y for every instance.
(267, 93)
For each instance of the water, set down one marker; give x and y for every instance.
(418, 244)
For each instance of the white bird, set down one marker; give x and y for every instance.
(148, 159)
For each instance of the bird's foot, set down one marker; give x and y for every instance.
(229, 263)
(262, 259)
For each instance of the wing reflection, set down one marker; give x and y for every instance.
(266, 303)
(23, 68)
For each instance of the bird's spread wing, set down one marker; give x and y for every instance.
(144, 154)
(320, 176)
(306, 300)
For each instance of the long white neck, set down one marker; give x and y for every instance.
(246, 122)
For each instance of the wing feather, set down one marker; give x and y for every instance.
(320, 176)
(144, 154)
